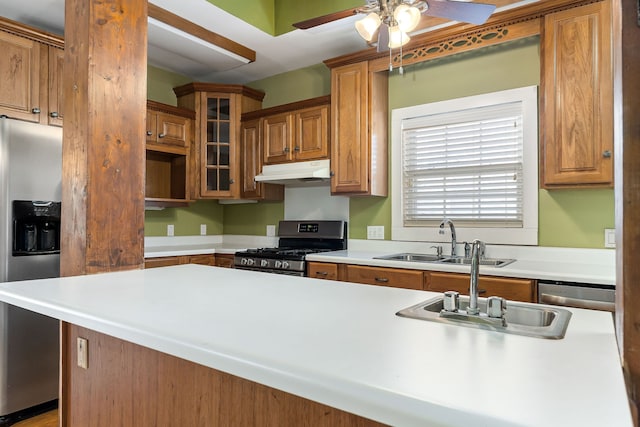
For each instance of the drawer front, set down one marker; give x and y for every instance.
(202, 259)
(164, 261)
(322, 270)
(224, 260)
(510, 289)
(394, 277)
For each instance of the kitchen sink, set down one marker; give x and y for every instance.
(521, 318)
(492, 262)
(414, 257)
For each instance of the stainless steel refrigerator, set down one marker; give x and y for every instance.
(30, 194)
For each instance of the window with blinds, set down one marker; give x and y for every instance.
(464, 165)
(473, 160)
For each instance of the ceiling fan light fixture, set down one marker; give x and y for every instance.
(407, 17)
(397, 37)
(368, 25)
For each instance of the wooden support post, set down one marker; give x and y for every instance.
(103, 151)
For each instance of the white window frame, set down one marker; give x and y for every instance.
(528, 234)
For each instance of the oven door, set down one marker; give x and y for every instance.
(578, 295)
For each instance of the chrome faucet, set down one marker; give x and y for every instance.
(453, 234)
(476, 246)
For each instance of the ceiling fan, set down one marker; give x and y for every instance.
(388, 22)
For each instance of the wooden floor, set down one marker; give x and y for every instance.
(48, 419)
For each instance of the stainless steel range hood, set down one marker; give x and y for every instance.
(315, 172)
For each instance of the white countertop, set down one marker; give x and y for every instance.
(342, 345)
(595, 266)
(155, 247)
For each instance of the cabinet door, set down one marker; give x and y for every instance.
(56, 89)
(322, 270)
(164, 261)
(202, 259)
(359, 106)
(224, 260)
(577, 108)
(277, 137)
(172, 130)
(218, 148)
(508, 288)
(251, 158)
(20, 77)
(311, 134)
(394, 277)
(152, 126)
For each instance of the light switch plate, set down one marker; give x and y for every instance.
(609, 238)
(375, 232)
(203, 229)
(83, 353)
(169, 229)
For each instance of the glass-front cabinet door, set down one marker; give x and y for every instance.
(218, 147)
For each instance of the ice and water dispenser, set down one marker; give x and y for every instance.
(36, 227)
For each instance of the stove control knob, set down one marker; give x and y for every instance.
(250, 261)
(285, 265)
(278, 264)
(243, 261)
(264, 263)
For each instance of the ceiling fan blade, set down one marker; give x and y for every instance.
(325, 19)
(473, 13)
(383, 38)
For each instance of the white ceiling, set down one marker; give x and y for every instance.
(274, 55)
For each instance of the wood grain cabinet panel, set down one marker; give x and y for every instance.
(252, 153)
(577, 98)
(56, 86)
(204, 259)
(394, 277)
(224, 260)
(359, 130)
(508, 288)
(20, 71)
(164, 261)
(322, 270)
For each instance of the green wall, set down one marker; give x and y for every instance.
(567, 218)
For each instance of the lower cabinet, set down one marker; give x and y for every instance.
(323, 270)
(508, 288)
(205, 259)
(394, 277)
(224, 260)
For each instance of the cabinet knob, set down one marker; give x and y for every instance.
(381, 279)
(232, 181)
(296, 149)
(331, 173)
(606, 154)
(35, 110)
(54, 114)
(286, 149)
(149, 133)
(161, 135)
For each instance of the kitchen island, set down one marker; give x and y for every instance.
(341, 345)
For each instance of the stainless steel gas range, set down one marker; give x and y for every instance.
(296, 240)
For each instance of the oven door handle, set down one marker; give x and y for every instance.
(577, 302)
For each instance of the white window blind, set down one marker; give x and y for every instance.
(465, 165)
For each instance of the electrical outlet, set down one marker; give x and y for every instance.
(609, 238)
(169, 229)
(375, 232)
(83, 352)
(271, 230)
(203, 229)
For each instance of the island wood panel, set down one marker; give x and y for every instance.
(508, 288)
(130, 385)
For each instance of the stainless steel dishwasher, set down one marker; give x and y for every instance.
(579, 295)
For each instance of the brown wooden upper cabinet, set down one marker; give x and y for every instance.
(168, 178)
(31, 72)
(577, 98)
(299, 135)
(359, 116)
(251, 149)
(217, 154)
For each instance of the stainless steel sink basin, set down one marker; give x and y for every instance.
(521, 318)
(413, 257)
(405, 256)
(492, 262)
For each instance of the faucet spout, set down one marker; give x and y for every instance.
(448, 222)
(473, 285)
